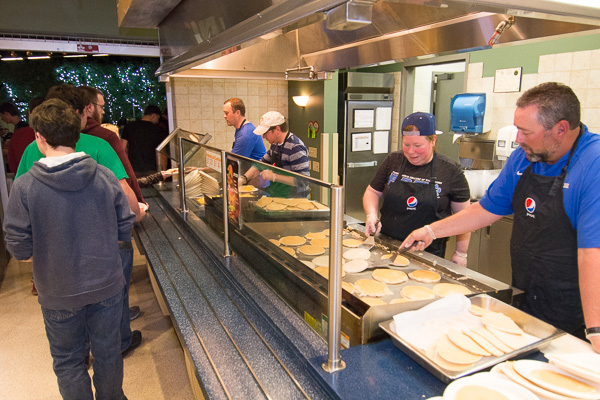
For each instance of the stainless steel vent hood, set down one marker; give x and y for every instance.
(266, 37)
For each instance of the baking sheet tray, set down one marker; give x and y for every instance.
(528, 323)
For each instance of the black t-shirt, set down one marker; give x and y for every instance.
(143, 137)
(449, 176)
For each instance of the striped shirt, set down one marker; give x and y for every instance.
(292, 153)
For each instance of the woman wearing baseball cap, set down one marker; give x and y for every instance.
(418, 186)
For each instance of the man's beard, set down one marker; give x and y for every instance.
(97, 117)
(537, 157)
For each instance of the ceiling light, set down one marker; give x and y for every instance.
(75, 56)
(301, 101)
(12, 58)
(38, 57)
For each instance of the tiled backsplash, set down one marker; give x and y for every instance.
(580, 70)
(198, 104)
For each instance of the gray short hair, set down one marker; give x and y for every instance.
(555, 102)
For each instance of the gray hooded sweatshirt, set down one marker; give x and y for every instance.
(70, 217)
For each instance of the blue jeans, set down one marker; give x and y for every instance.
(126, 253)
(66, 332)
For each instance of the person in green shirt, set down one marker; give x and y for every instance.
(95, 147)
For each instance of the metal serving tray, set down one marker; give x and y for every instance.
(529, 324)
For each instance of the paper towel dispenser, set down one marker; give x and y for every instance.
(468, 112)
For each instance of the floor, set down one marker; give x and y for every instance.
(155, 370)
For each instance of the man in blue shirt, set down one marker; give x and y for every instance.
(551, 185)
(245, 142)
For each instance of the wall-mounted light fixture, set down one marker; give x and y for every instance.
(301, 101)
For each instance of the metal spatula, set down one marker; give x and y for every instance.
(370, 242)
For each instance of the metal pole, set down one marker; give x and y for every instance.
(334, 360)
(182, 204)
(227, 252)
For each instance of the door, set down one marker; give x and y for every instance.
(367, 144)
(445, 86)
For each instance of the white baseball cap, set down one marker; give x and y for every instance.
(267, 121)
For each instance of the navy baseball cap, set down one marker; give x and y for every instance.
(425, 123)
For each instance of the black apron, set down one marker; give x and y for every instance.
(543, 250)
(408, 206)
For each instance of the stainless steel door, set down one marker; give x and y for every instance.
(367, 128)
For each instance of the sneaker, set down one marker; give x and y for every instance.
(136, 340)
(134, 312)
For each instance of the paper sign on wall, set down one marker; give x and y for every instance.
(381, 142)
(364, 118)
(383, 118)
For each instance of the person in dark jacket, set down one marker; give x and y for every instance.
(68, 214)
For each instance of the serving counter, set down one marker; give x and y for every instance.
(250, 305)
(241, 339)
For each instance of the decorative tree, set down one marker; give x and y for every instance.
(128, 83)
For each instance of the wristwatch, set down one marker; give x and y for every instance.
(589, 332)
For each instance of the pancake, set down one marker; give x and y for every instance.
(432, 353)
(275, 206)
(323, 271)
(413, 292)
(454, 354)
(510, 339)
(373, 301)
(307, 205)
(389, 276)
(247, 188)
(399, 300)
(478, 311)
(274, 241)
(348, 286)
(386, 256)
(311, 250)
(424, 276)
(288, 250)
(355, 254)
(483, 342)
(263, 201)
(315, 235)
(371, 288)
(476, 392)
(292, 241)
(326, 232)
(355, 266)
(501, 322)
(401, 261)
(446, 289)
(321, 261)
(351, 242)
(466, 343)
(309, 264)
(323, 242)
(320, 206)
(481, 331)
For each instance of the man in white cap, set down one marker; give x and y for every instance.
(287, 151)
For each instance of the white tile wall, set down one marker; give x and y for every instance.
(580, 70)
(198, 104)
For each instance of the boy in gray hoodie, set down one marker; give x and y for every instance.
(68, 214)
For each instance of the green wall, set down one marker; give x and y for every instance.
(527, 55)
